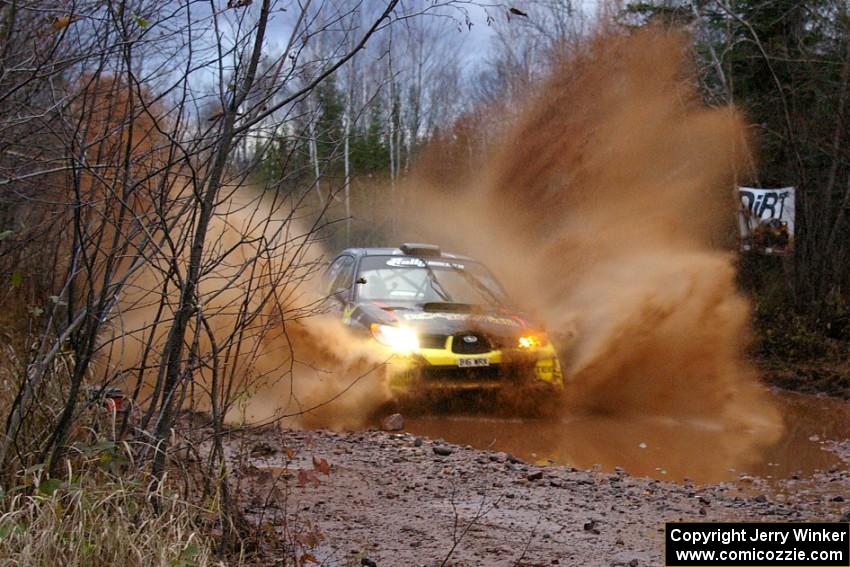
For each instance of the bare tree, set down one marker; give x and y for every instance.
(131, 133)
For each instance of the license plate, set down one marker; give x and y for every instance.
(473, 362)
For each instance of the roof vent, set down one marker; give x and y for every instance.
(418, 249)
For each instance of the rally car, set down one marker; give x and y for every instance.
(443, 320)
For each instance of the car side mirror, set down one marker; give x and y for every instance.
(361, 280)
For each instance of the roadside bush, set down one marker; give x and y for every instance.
(788, 336)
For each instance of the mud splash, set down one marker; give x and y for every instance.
(607, 206)
(265, 350)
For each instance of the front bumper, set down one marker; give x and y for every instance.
(443, 369)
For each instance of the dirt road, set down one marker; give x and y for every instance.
(393, 499)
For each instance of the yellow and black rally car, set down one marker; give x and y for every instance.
(443, 319)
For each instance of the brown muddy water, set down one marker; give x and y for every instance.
(659, 447)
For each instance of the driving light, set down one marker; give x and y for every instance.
(400, 339)
(529, 341)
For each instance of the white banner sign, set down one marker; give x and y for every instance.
(767, 220)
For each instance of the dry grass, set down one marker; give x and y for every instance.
(101, 511)
(86, 523)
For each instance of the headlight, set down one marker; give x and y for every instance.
(530, 341)
(400, 339)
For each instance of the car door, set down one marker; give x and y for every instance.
(339, 279)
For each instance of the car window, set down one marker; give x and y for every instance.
(405, 279)
(341, 274)
(388, 284)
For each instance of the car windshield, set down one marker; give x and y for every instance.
(407, 279)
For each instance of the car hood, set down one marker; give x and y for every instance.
(431, 319)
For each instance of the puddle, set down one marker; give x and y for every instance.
(658, 447)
